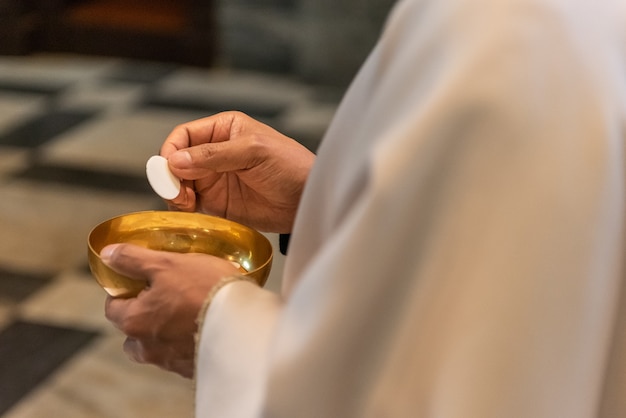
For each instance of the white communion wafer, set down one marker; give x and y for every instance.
(164, 183)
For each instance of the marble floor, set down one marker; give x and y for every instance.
(75, 133)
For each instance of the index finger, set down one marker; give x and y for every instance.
(123, 314)
(215, 128)
(115, 310)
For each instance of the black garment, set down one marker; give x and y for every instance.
(283, 243)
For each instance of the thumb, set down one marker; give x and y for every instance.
(196, 162)
(130, 260)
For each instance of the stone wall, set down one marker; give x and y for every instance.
(320, 41)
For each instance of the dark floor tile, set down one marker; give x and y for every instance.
(84, 178)
(42, 128)
(311, 140)
(10, 86)
(15, 286)
(30, 352)
(208, 106)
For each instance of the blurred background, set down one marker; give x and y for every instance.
(88, 92)
(320, 41)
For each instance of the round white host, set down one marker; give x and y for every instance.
(163, 182)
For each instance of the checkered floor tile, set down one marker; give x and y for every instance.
(75, 133)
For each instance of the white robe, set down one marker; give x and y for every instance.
(459, 248)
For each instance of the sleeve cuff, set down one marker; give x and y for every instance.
(232, 351)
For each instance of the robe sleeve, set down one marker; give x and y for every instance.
(458, 248)
(470, 267)
(234, 340)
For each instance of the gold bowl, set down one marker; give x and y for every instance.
(181, 232)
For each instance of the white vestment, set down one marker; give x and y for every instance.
(459, 248)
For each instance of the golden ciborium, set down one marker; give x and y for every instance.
(181, 232)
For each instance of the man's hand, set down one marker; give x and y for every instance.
(238, 168)
(160, 323)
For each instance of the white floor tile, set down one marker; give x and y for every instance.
(53, 69)
(102, 383)
(105, 96)
(117, 141)
(12, 159)
(45, 229)
(73, 300)
(16, 108)
(233, 86)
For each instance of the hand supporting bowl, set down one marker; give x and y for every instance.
(181, 232)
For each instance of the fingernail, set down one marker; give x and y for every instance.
(107, 253)
(180, 159)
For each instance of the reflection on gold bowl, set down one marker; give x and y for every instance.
(180, 232)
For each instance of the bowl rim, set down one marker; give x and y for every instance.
(181, 213)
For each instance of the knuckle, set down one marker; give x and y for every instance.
(131, 328)
(180, 128)
(235, 114)
(208, 151)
